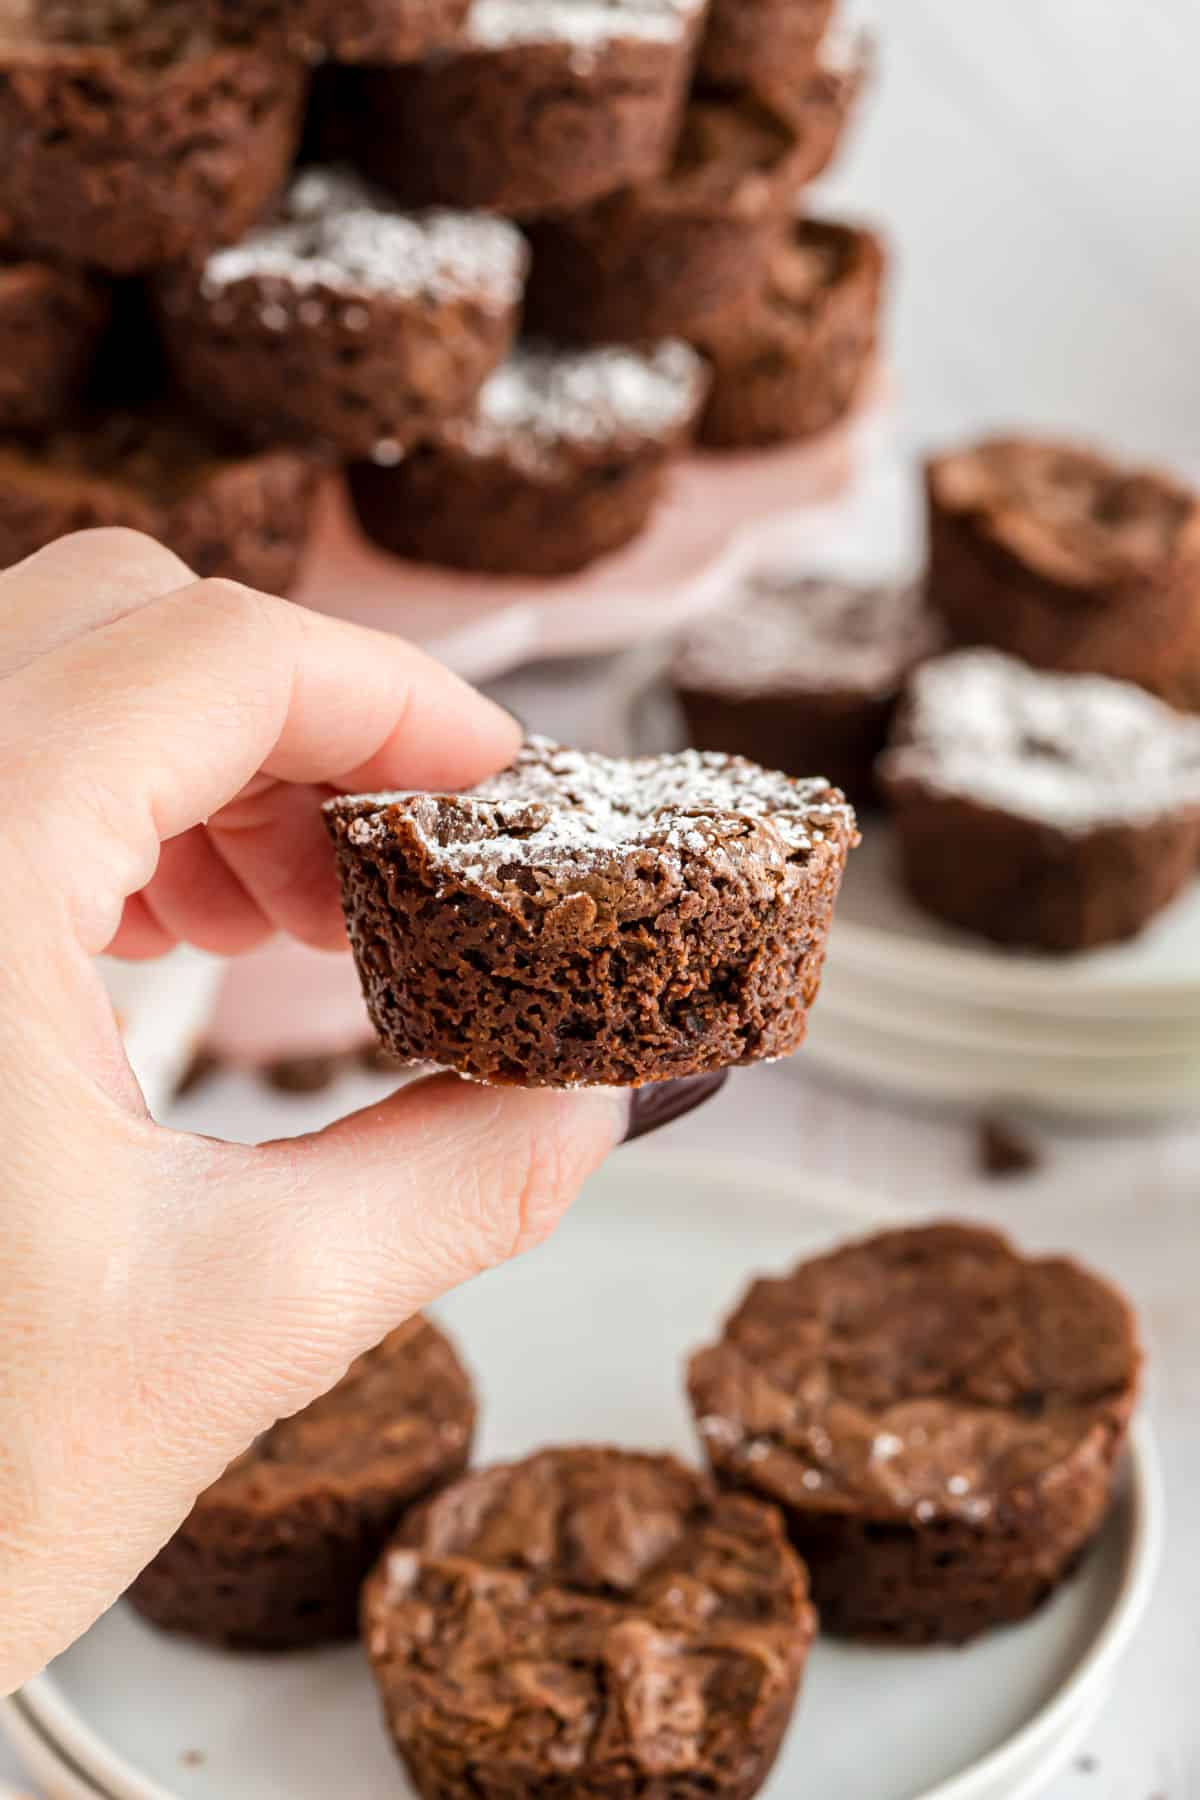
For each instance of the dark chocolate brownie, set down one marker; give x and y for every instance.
(345, 322)
(1070, 561)
(589, 1624)
(653, 260)
(547, 103)
(803, 674)
(761, 45)
(1054, 811)
(939, 1418)
(51, 322)
(353, 31)
(273, 1555)
(561, 461)
(581, 920)
(129, 148)
(793, 359)
(225, 510)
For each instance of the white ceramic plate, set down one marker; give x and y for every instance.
(906, 1064)
(163, 1007)
(661, 1245)
(879, 931)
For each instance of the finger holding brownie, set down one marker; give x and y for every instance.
(164, 744)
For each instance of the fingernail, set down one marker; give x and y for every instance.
(662, 1102)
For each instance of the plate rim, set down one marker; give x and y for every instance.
(74, 1738)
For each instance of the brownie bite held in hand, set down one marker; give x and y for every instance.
(344, 321)
(1055, 811)
(589, 1624)
(939, 1417)
(273, 1555)
(560, 460)
(581, 920)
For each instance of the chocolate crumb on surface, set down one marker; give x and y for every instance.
(589, 1622)
(582, 920)
(939, 1417)
(273, 1554)
(1002, 1150)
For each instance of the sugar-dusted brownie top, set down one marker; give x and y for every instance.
(1075, 752)
(560, 820)
(804, 634)
(582, 25)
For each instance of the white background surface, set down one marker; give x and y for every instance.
(1038, 166)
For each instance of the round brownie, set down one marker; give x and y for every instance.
(353, 31)
(582, 920)
(762, 45)
(801, 673)
(128, 147)
(561, 461)
(51, 322)
(793, 359)
(242, 514)
(273, 1555)
(939, 1418)
(1054, 811)
(1069, 560)
(653, 260)
(345, 322)
(545, 104)
(589, 1624)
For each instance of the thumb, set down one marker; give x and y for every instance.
(343, 1234)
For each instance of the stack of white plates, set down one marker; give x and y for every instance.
(913, 1006)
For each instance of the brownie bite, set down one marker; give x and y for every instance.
(226, 510)
(762, 45)
(544, 104)
(560, 461)
(353, 31)
(273, 1555)
(51, 322)
(1069, 560)
(792, 359)
(802, 673)
(344, 322)
(1058, 812)
(653, 260)
(939, 1417)
(133, 135)
(589, 1622)
(582, 920)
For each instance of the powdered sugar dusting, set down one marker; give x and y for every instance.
(542, 398)
(582, 24)
(567, 813)
(336, 233)
(1071, 751)
(795, 634)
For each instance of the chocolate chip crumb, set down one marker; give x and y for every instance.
(301, 1074)
(203, 1066)
(192, 1759)
(1002, 1150)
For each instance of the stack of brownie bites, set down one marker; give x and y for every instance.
(1027, 714)
(503, 259)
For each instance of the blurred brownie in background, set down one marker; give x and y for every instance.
(803, 674)
(1072, 561)
(1059, 812)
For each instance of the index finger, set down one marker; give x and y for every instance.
(146, 727)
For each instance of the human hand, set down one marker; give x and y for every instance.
(164, 744)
